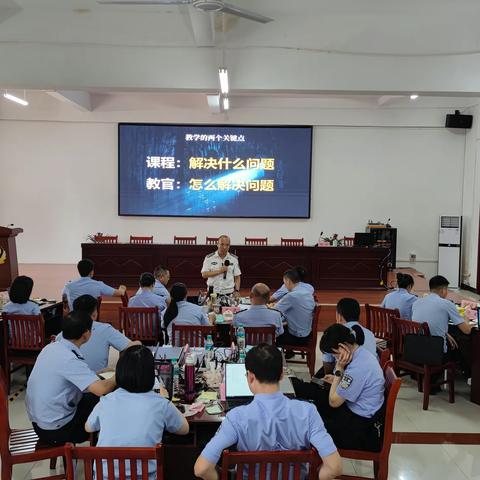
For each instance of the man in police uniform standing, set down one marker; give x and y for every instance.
(221, 269)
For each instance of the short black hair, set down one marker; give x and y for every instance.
(265, 362)
(20, 289)
(135, 371)
(338, 333)
(292, 275)
(349, 309)
(75, 324)
(438, 282)
(85, 303)
(85, 267)
(301, 272)
(404, 280)
(147, 280)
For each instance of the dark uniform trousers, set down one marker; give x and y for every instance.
(74, 430)
(347, 429)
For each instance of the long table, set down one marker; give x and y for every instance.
(334, 268)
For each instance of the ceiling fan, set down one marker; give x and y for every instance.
(218, 6)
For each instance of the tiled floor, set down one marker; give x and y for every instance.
(407, 462)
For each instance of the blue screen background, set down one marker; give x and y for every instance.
(289, 146)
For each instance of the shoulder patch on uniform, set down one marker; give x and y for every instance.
(210, 255)
(346, 381)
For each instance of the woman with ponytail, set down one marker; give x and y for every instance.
(352, 408)
(401, 298)
(181, 312)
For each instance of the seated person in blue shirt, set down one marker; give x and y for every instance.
(401, 298)
(62, 390)
(134, 415)
(86, 285)
(352, 408)
(348, 314)
(96, 350)
(259, 315)
(283, 290)
(297, 307)
(162, 277)
(271, 421)
(436, 310)
(181, 312)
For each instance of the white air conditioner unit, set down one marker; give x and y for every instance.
(450, 249)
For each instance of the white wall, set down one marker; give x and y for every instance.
(59, 182)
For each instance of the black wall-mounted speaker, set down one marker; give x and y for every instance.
(458, 120)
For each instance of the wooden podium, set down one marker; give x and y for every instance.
(8, 256)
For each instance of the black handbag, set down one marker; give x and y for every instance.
(423, 349)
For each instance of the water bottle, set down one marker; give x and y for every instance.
(241, 343)
(176, 377)
(208, 352)
(189, 378)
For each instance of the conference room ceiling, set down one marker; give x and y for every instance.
(382, 47)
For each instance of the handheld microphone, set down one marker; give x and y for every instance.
(226, 264)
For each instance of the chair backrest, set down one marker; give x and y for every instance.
(194, 335)
(184, 240)
(124, 299)
(379, 321)
(269, 463)
(141, 240)
(99, 304)
(106, 238)
(383, 356)
(402, 328)
(256, 335)
(116, 460)
(392, 386)
(211, 240)
(140, 323)
(315, 320)
(256, 241)
(291, 242)
(23, 332)
(348, 241)
(4, 421)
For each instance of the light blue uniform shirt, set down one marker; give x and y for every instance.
(283, 290)
(437, 312)
(86, 286)
(259, 316)
(95, 351)
(188, 314)
(160, 290)
(363, 384)
(28, 308)
(56, 383)
(370, 343)
(297, 306)
(147, 299)
(271, 422)
(401, 299)
(119, 427)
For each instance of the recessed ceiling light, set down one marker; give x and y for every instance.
(414, 96)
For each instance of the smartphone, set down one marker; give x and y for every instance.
(214, 409)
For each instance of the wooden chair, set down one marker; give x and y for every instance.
(194, 335)
(141, 240)
(124, 299)
(256, 335)
(114, 458)
(23, 340)
(184, 240)
(291, 242)
(379, 322)
(404, 327)
(310, 349)
(211, 240)
(141, 324)
(106, 238)
(21, 446)
(348, 241)
(262, 242)
(380, 459)
(270, 462)
(99, 304)
(383, 356)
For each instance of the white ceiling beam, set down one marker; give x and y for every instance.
(80, 100)
(386, 99)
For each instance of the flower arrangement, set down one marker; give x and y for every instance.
(333, 240)
(91, 237)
